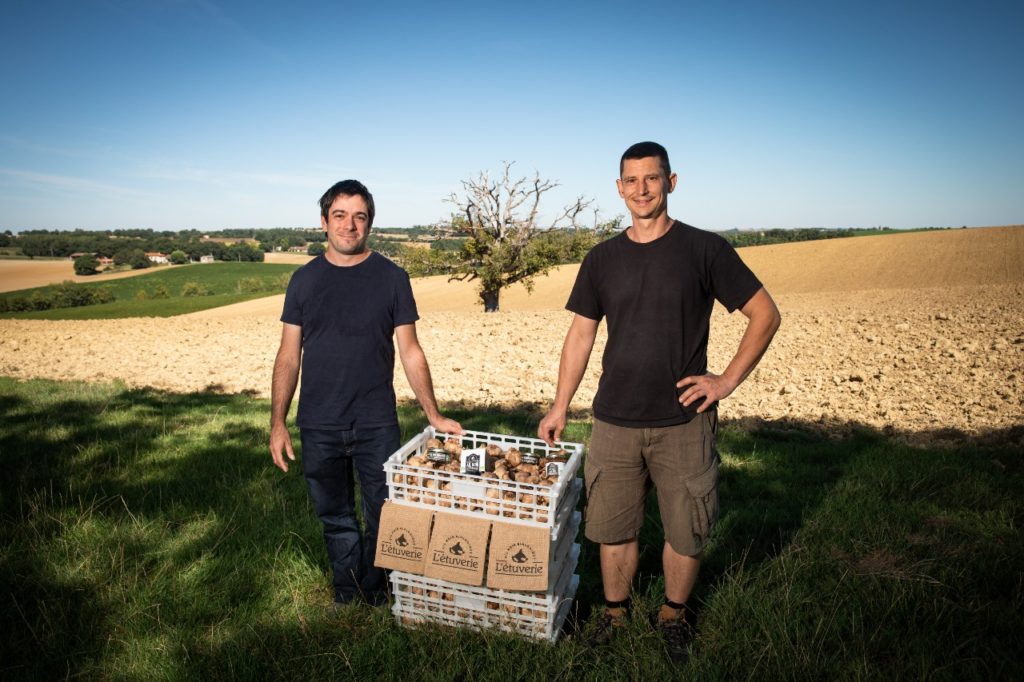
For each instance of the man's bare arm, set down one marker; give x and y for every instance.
(282, 390)
(417, 371)
(579, 342)
(763, 320)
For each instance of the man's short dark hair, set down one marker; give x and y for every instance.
(643, 150)
(349, 188)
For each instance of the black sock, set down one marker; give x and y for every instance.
(674, 605)
(626, 603)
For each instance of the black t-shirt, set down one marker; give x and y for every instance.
(348, 316)
(658, 298)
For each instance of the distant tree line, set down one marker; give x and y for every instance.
(449, 247)
(130, 246)
(796, 234)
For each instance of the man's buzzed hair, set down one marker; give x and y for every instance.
(642, 150)
(350, 188)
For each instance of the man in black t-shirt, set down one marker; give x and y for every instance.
(655, 412)
(340, 313)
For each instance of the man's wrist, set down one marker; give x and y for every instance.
(732, 383)
(559, 409)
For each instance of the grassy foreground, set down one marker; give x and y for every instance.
(145, 535)
(160, 293)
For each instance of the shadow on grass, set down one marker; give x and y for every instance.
(148, 530)
(115, 500)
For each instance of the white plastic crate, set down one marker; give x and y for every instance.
(546, 627)
(473, 495)
(563, 536)
(535, 614)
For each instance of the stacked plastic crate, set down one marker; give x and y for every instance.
(535, 614)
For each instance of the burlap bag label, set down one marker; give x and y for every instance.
(403, 537)
(458, 548)
(518, 557)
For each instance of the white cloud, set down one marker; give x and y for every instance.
(49, 181)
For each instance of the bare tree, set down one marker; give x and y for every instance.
(500, 220)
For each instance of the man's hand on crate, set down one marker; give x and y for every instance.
(551, 426)
(446, 425)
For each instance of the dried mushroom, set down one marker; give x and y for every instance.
(514, 457)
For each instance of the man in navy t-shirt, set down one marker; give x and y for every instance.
(340, 313)
(655, 415)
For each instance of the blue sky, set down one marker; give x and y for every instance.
(214, 114)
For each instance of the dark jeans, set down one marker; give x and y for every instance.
(328, 458)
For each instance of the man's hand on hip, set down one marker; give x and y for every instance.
(710, 387)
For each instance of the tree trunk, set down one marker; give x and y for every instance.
(490, 298)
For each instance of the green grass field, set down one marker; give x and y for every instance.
(145, 535)
(226, 283)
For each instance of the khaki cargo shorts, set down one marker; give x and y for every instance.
(682, 463)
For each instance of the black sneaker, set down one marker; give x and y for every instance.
(605, 628)
(677, 634)
(376, 598)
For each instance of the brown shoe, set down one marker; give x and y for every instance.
(677, 632)
(607, 626)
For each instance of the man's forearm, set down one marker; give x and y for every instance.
(752, 347)
(571, 367)
(417, 371)
(282, 389)
(763, 323)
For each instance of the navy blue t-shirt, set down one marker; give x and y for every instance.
(658, 298)
(348, 317)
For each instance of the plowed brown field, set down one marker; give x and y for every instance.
(919, 334)
(25, 274)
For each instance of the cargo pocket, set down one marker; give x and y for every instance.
(703, 489)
